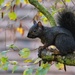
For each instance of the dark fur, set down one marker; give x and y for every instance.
(62, 36)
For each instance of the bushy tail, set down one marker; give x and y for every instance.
(66, 19)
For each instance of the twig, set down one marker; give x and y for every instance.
(64, 3)
(35, 49)
(73, 2)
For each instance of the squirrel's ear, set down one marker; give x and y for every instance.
(40, 25)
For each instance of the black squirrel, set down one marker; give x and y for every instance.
(62, 36)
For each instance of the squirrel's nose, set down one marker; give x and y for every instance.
(28, 35)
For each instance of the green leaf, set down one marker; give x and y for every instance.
(12, 16)
(1, 65)
(4, 60)
(28, 71)
(14, 68)
(43, 69)
(3, 53)
(1, 1)
(5, 66)
(53, 10)
(12, 46)
(24, 53)
(13, 62)
(37, 60)
(68, 1)
(45, 65)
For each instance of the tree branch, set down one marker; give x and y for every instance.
(48, 56)
(44, 11)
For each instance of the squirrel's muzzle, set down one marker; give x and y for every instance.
(28, 35)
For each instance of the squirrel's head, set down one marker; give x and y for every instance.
(36, 30)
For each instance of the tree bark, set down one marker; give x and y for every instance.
(48, 56)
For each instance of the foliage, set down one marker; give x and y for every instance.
(12, 16)
(60, 66)
(43, 69)
(1, 1)
(24, 53)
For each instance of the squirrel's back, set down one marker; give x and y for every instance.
(66, 19)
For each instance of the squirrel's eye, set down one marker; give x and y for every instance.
(34, 31)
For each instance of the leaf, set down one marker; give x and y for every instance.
(44, 19)
(20, 30)
(46, 65)
(1, 1)
(17, 2)
(67, 1)
(24, 53)
(12, 16)
(12, 46)
(28, 71)
(8, 4)
(53, 10)
(4, 53)
(37, 60)
(5, 66)
(4, 60)
(42, 70)
(14, 68)
(22, 1)
(60, 66)
(26, 1)
(28, 61)
(40, 15)
(39, 0)
(13, 62)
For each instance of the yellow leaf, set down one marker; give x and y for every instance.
(8, 4)
(40, 14)
(17, 2)
(45, 20)
(68, 1)
(37, 60)
(26, 2)
(60, 66)
(39, 0)
(20, 30)
(27, 61)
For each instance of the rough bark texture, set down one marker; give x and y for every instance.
(48, 56)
